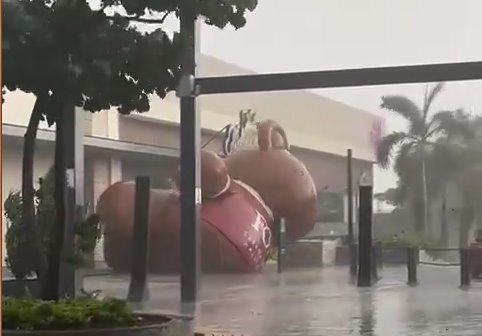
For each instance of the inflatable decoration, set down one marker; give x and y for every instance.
(255, 180)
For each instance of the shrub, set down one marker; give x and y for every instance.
(408, 241)
(88, 232)
(19, 266)
(272, 254)
(421, 242)
(79, 313)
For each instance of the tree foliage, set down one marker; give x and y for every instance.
(66, 48)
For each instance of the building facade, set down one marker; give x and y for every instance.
(118, 147)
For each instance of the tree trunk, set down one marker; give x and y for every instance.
(425, 197)
(444, 230)
(50, 289)
(32, 242)
(417, 209)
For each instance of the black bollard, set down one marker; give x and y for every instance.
(365, 255)
(138, 289)
(412, 262)
(351, 241)
(281, 228)
(465, 276)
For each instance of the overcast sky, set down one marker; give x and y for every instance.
(289, 35)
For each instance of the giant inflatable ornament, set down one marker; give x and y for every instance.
(243, 190)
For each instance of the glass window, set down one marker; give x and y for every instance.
(331, 207)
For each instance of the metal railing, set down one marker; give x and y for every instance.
(413, 260)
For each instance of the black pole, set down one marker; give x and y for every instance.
(138, 289)
(349, 181)
(281, 228)
(351, 242)
(465, 276)
(365, 254)
(412, 263)
(423, 73)
(190, 159)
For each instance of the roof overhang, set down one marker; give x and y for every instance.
(97, 143)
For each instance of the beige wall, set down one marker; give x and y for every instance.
(329, 171)
(18, 106)
(158, 134)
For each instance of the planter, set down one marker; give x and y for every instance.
(393, 256)
(342, 255)
(304, 253)
(153, 325)
(20, 288)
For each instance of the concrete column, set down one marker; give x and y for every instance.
(113, 125)
(115, 170)
(105, 124)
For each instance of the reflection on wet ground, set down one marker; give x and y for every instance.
(322, 302)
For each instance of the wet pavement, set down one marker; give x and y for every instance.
(321, 302)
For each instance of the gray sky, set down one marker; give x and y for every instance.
(334, 34)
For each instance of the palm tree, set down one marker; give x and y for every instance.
(460, 165)
(411, 149)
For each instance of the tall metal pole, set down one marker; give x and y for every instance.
(352, 248)
(71, 134)
(190, 158)
(365, 255)
(349, 181)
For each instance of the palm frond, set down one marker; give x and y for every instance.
(405, 162)
(452, 125)
(386, 145)
(406, 108)
(430, 97)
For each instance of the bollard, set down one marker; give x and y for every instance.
(465, 276)
(138, 289)
(351, 241)
(412, 262)
(281, 229)
(365, 255)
